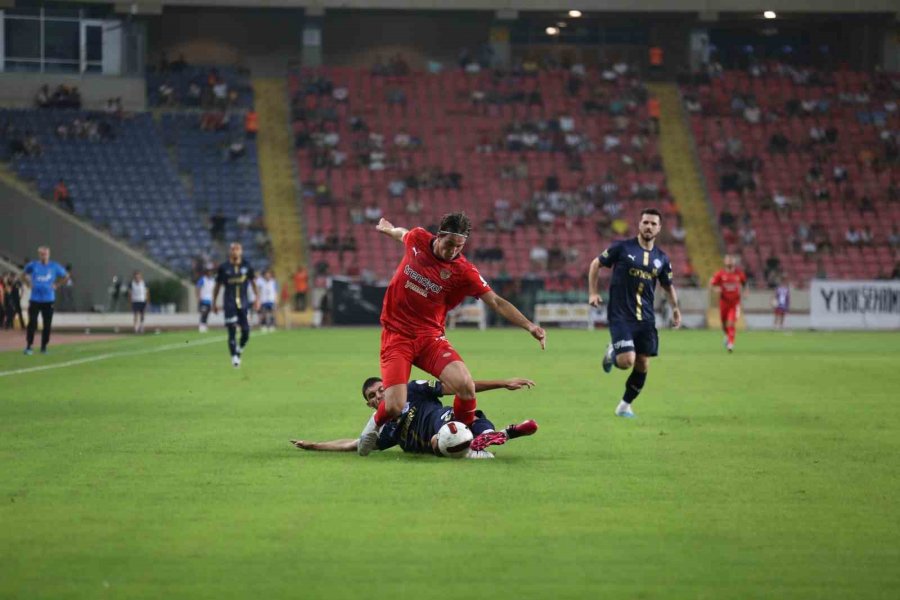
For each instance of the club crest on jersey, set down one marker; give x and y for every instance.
(445, 274)
(657, 263)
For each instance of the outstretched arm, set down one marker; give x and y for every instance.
(594, 298)
(486, 385)
(388, 229)
(332, 446)
(509, 312)
(672, 296)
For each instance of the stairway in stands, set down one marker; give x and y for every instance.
(683, 174)
(276, 169)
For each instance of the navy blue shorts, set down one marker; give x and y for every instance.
(138, 307)
(640, 338)
(237, 317)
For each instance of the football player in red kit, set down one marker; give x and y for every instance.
(432, 278)
(729, 282)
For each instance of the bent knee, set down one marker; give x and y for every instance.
(625, 361)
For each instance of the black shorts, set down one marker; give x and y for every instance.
(138, 307)
(237, 316)
(629, 336)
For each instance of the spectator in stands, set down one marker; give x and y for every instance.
(839, 174)
(852, 237)
(866, 236)
(340, 94)
(539, 257)
(194, 94)
(317, 240)
(333, 240)
(772, 270)
(348, 242)
(753, 114)
(220, 93)
(396, 188)
(251, 124)
(779, 143)
(373, 213)
(323, 194)
(895, 274)
(61, 196)
(413, 207)
(42, 98)
(301, 287)
(894, 237)
(726, 219)
(396, 96)
(236, 149)
(166, 94)
(217, 226)
(31, 146)
(243, 221)
(866, 205)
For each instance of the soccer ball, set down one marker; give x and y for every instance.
(454, 439)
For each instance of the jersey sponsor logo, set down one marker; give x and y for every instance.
(422, 281)
(635, 272)
(624, 344)
(413, 287)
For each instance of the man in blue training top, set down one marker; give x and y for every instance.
(43, 276)
(415, 430)
(637, 264)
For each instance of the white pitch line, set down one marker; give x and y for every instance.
(108, 355)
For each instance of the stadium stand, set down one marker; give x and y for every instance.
(546, 163)
(802, 168)
(154, 184)
(194, 86)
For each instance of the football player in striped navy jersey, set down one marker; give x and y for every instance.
(236, 275)
(637, 264)
(415, 430)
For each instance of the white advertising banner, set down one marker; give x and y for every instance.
(854, 304)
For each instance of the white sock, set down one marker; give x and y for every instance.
(623, 407)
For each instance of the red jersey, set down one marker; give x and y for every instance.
(730, 282)
(424, 288)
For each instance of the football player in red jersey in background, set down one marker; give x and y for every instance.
(432, 278)
(729, 282)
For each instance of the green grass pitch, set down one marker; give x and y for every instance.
(769, 473)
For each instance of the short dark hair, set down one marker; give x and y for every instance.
(368, 383)
(651, 211)
(455, 223)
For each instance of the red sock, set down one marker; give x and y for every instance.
(464, 410)
(731, 332)
(381, 416)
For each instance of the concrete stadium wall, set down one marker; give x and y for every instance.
(264, 40)
(356, 38)
(19, 89)
(27, 222)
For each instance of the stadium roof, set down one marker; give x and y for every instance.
(702, 6)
